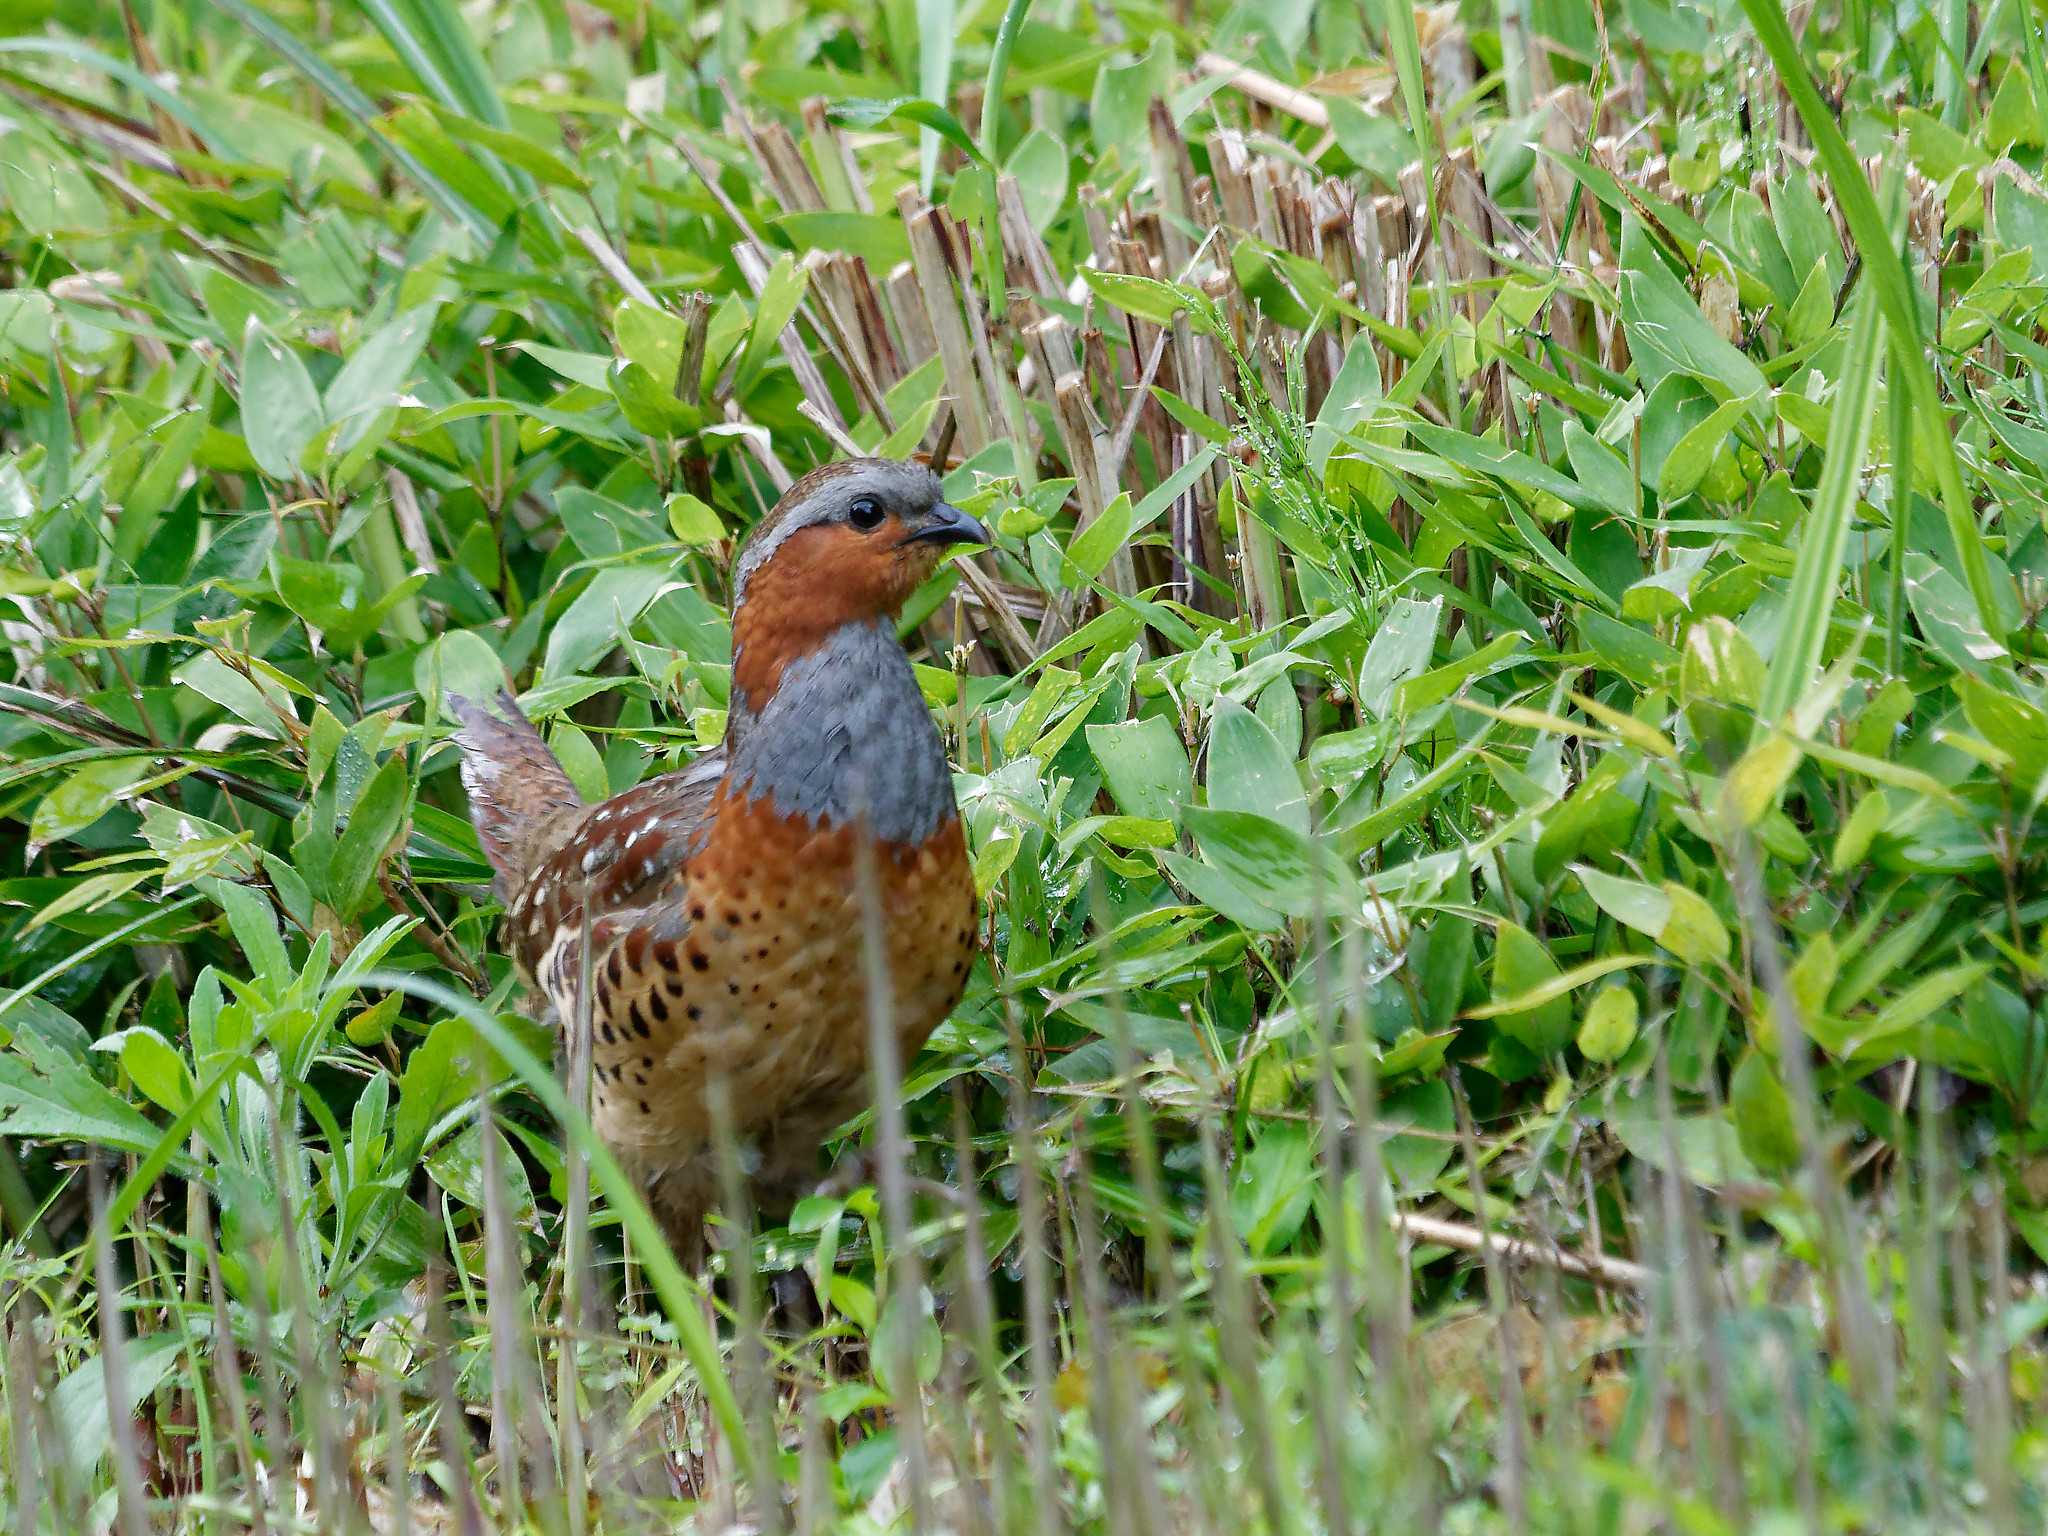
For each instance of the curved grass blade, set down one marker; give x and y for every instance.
(430, 37)
(1824, 537)
(363, 111)
(1882, 261)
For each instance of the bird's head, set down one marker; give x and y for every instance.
(847, 544)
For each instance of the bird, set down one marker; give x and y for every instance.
(717, 911)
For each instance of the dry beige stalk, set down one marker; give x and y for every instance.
(1617, 1273)
(1265, 89)
(937, 291)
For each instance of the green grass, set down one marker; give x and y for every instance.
(1503, 738)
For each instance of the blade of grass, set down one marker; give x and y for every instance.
(430, 36)
(998, 70)
(1895, 291)
(1899, 401)
(905, 1269)
(1824, 536)
(680, 1295)
(361, 110)
(129, 1518)
(1406, 46)
(937, 22)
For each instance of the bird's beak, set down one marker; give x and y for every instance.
(949, 525)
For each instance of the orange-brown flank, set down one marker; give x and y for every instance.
(767, 990)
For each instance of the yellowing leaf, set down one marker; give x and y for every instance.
(1754, 784)
(1693, 932)
(1863, 825)
(1628, 727)
(1719, 663)
(1609, 1028)
(692, 521)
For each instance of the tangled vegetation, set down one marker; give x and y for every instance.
(1503, 740)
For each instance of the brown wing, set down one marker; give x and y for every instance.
(612, 871)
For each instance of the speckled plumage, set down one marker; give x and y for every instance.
(721, 903)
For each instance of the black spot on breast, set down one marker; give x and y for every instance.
(695, 1013)
(638, 1020)
(732, 918)
(643, 1108)
(657, 1004)
(699, 961)
(647, 1063)
(754, 916)
(959, 967)
(604, 1032)
(615, 969)
(732, 989)
(697, 912)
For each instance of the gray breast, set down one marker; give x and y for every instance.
(846, 735)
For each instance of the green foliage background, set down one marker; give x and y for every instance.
(1553, 747)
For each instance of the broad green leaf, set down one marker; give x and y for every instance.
(84, 796)
(1400, 649)
(1859, 830)
(782, 292)
(600, 617)
(1762, 1112)
(381, 367)
(1605, 480)
(1666, 331)
(1039, 162)
(460, 664)
(1677, 918)
(153, 1066)
(693, 521)
(1145, 766)
(60, 1099)
(280, 408)
(1753, 786)
(80, 1413)
(1271, 862)
(375, 822)
(1094, 546)
(1522, 966)
(1248, 769)
(1271, 1187)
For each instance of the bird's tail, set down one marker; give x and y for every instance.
(519, 797)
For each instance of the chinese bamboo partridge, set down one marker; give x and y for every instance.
(722, 904)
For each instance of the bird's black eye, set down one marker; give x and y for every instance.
(865, 513)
